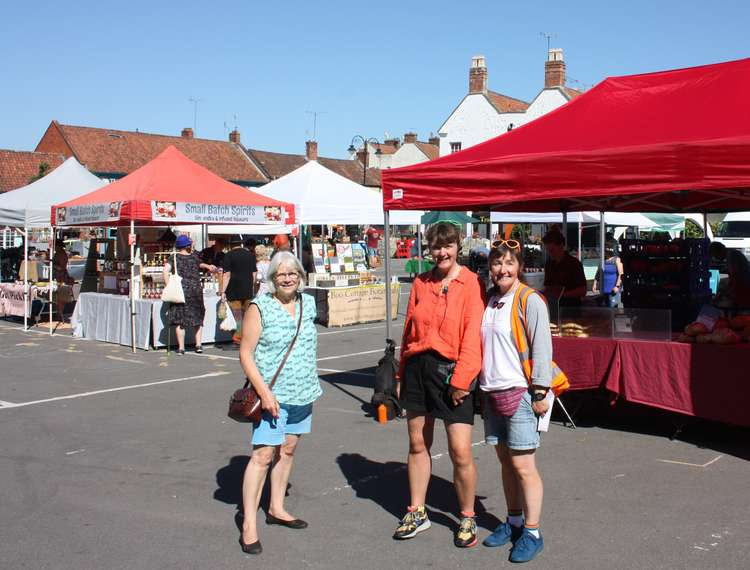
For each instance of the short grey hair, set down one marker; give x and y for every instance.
(284, 258)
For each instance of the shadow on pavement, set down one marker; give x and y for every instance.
(593, 409)
(387, 485)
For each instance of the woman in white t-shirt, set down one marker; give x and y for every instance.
(513, 402)
(261, 273)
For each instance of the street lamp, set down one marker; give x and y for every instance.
(365, 142)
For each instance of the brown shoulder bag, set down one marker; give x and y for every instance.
(245, 404)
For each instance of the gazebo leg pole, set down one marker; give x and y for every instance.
(387, 255)
(26, 279)
(51, 281)
(602, 257)
(131, 239)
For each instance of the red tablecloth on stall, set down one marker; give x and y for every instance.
(701, 380)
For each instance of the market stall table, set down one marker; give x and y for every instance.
(700, 380)
(11, 299)
(341, 306)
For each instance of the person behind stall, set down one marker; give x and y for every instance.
(514, 393)
(611, 286)
(717, 256)
(737, 290)
(563, 270)
(261, 273)
(271, 324)
(308, 263)
(61, 275)
(373, 238)
(192, 311)
(214, 254)
(237, 283)
(280, 243)
(440, 359)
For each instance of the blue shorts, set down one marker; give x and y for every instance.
(518, 432)
(292, 420)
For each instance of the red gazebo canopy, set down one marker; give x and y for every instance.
(672, 141)
(171, 189)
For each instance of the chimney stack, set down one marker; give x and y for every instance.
(311, 150)
(362, 156)
(410, 138)
(187, 133)
(478, 75)
(234, 136)
(554, 69)
(433, 140)
(395, 143)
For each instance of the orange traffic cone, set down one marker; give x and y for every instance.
(382, 414)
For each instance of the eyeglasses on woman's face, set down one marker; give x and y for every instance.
(287, 276)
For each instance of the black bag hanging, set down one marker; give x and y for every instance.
(385, 381)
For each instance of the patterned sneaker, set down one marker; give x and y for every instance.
(503, 534)
(526, 547)
(412, 524)
(466, 535)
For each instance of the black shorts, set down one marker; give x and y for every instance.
(424, 390)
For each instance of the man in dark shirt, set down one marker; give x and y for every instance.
(237, 282)
(214, 254)
(562, 270)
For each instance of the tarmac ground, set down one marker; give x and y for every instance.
(110, 459)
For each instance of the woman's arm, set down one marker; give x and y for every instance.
(540, 342)
(469, 361)
(620, 272)
(252, 327)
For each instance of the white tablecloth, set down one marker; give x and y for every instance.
(105, 317)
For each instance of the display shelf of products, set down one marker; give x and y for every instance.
(667, 275)
(603, 322)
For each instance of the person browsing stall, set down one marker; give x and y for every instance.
(237, 282)
(611, 286)
(517, 372)
(440, 359)
(192, 312)
(270, 326)
(562, 270)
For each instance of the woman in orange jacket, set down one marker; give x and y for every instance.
(440, 360)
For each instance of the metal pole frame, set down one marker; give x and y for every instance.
(52, 280)
(602, 238)
(387, 255)
(132, 284)
(26, 278)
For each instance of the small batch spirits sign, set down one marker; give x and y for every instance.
(215, 213)
(88, 214)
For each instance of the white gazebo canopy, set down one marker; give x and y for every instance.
(610, 218)
(30, 206)
(321, 196)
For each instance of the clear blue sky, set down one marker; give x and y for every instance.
(369, 68)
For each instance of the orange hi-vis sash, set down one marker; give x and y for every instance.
(520, 332)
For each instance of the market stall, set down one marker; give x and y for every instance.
(323, 197)
(169, 190)
(638, 147)
(28, 209)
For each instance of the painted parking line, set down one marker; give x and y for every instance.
(118, 389)
(352, 354)
(332, 371)
(701, 465)
(359, 329)
(4, 404)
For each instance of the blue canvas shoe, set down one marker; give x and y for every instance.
(503, 534)
(526, 547)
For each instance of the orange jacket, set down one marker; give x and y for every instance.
(450, 324)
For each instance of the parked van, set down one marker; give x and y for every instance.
(734, 232)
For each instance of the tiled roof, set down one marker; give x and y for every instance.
(109, 151)
(277, 164)
(431, 151)
(504, 104)
(18, 167)
(384, 148)
(570, 93)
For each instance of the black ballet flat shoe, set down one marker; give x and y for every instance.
(297, 524)
(199, 349)
(254, 548)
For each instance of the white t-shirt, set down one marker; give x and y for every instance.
(501, 365)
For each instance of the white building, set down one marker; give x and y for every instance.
(394, 153)
(484, 114)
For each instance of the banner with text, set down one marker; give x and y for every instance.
(88, 214)
(216, 213)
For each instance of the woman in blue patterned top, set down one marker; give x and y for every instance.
(287, 410)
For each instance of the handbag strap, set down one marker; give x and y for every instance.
(288, 350)
(175, 261)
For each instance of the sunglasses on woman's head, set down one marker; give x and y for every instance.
(509, 243)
